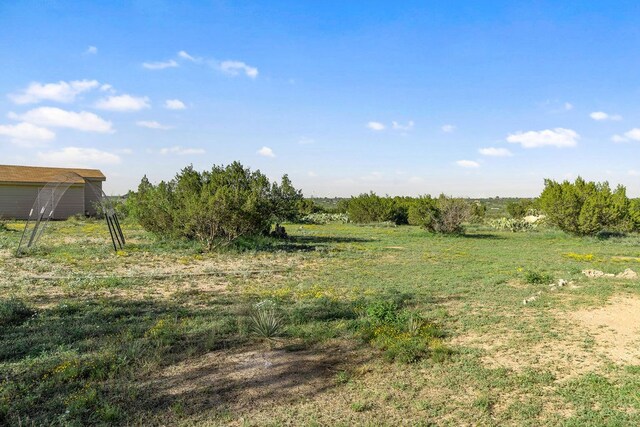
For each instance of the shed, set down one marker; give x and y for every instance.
(19, 187)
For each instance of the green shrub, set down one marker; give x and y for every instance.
(215, 207)
(537, 278)
(585, 208)
(367, 208)
(521, 208)
(634, 214)
(441, 215)
(13, 312)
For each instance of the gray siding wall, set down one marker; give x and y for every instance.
(91, 198)
(72, 203)
(16, 201)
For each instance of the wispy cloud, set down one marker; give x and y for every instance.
(123, 103)
(602, 116)
(91, 50)
(558, 137)
(184, 55)
(234, 68)
(152, 125)
(57, 117)
(407, 127)
(266, 152)
(181, 151)
(568, 106)
(306, 141)
(376, 126)
(78, 157)
(631, 135)
(174, 104)
(469, 164)
(160, 65)
(62, 91)
(447, 128)
(495, 152)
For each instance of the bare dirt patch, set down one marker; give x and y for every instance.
(615, 328)
(626, 274)
(253, 379)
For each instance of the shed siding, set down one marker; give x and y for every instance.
(90, 197)
(16, 201)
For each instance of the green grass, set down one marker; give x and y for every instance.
(88, 336)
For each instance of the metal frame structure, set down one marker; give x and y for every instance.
(45, 205)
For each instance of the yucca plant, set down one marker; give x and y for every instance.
(266, 322)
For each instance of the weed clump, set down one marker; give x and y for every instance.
(402, 335)
(537, 278)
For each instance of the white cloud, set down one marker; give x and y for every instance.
(415, 180)
(312, 174)
(184, 55)
(633, 172)
(558, 137)
(152, 125)
(160, 65)
(174, 104)
(233, 68)
(123, 103)
(60, 92)
(495, 152)
(467, 164)
(631, 135)
(24, 133)
(568, 106)
(601, 116)
(266, 152)
(106, 88)
(398, 126)
(91, 50)
(78, 157)
(56, 117)
(181, 151)
(125, 151)
(448, 128)
(377, 126)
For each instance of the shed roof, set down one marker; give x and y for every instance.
(36, 174)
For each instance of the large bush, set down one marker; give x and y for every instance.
(585, 208)
(441, 215)
(369, 207)
(216, 206)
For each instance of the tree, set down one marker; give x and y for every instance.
(585, 208)
(215, 207)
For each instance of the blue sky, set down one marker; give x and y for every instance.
(467, 98)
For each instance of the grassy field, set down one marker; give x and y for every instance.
(161, 333)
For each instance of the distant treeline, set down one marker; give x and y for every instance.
(225, 203)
